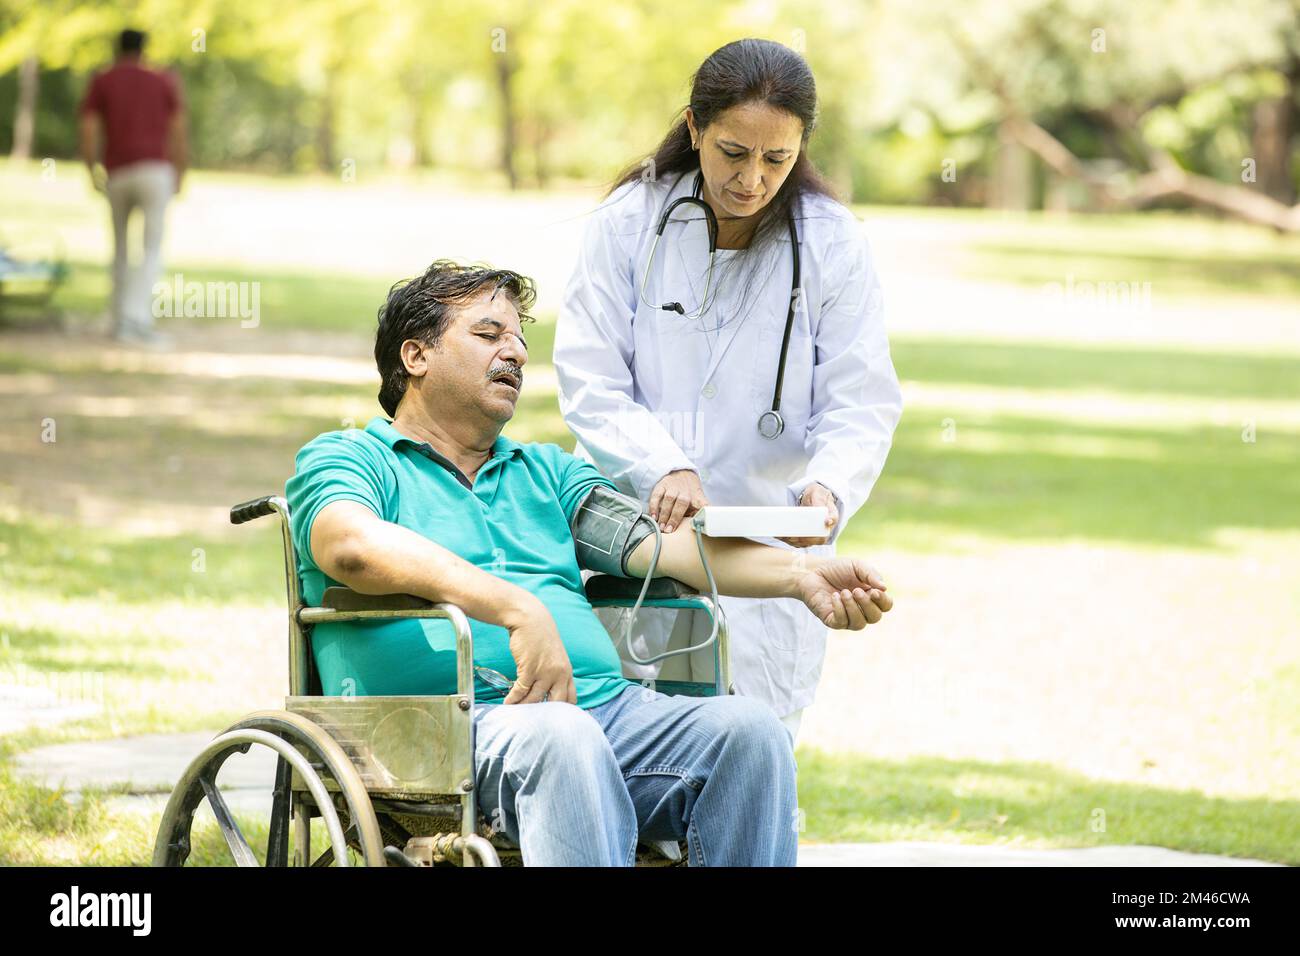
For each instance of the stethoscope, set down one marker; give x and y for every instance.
(770, 423)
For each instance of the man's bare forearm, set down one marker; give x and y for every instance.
(178, 147)
(89, 130)
(372, 556)
(741, 568)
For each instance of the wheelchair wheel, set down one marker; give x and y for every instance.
(288, 735)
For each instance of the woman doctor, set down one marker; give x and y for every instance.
(668, 363)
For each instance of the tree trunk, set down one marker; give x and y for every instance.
(29, 81)
(326, 128)
(422, 129)
(1271, 140)
(541, 167)
(505, 72)
(1012, 169)
(1165, 180)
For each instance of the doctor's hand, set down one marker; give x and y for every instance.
(817, 496)
(844, 593)
(678, 495)
(544, 671)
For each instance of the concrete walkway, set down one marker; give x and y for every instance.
(151, 764)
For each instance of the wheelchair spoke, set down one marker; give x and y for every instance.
(299, 743)
(277, 840)
(234, 837)
(327, 858)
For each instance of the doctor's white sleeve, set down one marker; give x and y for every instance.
(856, 399)
(593, 362)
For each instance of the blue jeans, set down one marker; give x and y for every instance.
(576, 787)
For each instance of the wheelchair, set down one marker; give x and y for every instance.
(390, 779)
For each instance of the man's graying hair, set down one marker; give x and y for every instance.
(421, 309)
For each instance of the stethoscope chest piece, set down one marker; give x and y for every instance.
(771, 424)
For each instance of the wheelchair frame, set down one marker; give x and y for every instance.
(368, 766)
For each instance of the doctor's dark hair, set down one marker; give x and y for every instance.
(745, 71)
(421, 309)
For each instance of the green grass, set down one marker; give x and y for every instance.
(38, 827)
(1171, 271)
(1038, 479)
(1183, 255)
(297, 300)
(998, 475)
(288, 300)
(1136, 370)
(40, 556)
(858, 799)
(1136, 449)
(996, 481)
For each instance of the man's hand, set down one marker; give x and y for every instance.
(844, 593)
(817, 495)
(678, 495)
(542, 663)
(98, 178)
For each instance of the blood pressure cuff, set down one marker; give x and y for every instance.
(607, 526)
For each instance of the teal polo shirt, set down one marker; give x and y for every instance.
(511, 521)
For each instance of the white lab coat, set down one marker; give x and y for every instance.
(646, 392)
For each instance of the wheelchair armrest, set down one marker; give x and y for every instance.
(608, 588)
(346, 599)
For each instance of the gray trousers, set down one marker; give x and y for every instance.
(147, 185)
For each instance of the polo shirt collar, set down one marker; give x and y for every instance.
(382, 428)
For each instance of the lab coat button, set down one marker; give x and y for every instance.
(710, 390)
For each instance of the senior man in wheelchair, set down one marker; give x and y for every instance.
(576, 763)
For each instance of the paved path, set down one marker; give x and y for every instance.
(151, 764)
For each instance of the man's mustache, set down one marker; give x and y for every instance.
(511, 369)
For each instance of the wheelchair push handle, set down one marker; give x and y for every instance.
(257, 508)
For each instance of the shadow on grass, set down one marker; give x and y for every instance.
(1003, 475)
(231, 440)
(1175, 273)
(40, 555)
(1142, 371)
(1036, 479)
(848, 798)
(41, 651)
(324, 301)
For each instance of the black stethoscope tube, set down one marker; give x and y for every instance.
(770, 423)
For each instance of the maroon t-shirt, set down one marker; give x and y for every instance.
(137, 105)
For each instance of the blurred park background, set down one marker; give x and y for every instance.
(1084, 215)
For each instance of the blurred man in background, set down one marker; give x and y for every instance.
(136, 115)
